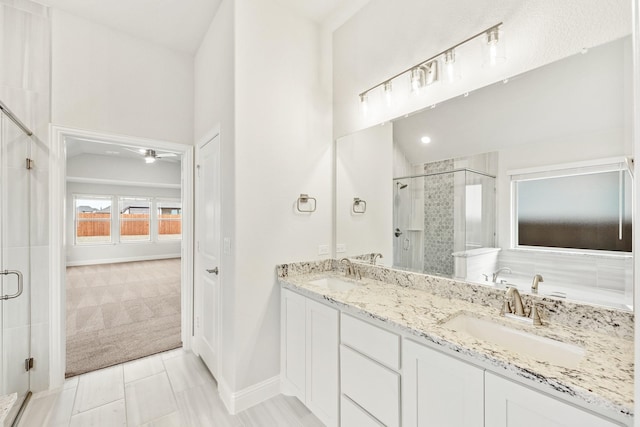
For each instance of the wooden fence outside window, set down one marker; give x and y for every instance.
(99, 224)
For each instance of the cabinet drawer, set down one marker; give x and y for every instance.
(353, 415)
(372, 386)
(378, 344)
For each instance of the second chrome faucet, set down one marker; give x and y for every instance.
(513, 307)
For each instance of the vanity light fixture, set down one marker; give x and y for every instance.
(426, 72)
(425, 140)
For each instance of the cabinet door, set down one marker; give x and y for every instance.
(293, 347)
(513, 405)
(439, 390)
(322, 391)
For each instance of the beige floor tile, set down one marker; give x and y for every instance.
(109, 415)
(199, 405)
(99, 388)
(149, 399)
(142, 368)
(172, 420)
(187, 371)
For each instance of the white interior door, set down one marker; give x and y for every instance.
(207, 239)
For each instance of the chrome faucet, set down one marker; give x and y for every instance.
(534, 286)
(513, 302)
(374, 258)
(351, 271)
(514, 308)
(494, 276)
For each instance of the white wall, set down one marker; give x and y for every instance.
(364, 169)
(385, 38)
(283, 148)
(215, 107)
(125, 170)
(274, 121)
(105, 80)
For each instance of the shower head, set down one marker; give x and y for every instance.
(401, 185)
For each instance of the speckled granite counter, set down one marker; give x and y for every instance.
(6, 403)
(420, 305)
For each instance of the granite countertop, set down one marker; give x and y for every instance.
(6, 402)
(604, 377)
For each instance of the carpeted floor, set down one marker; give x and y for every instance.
(120, 312)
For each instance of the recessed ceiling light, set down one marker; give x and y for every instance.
(425, 139)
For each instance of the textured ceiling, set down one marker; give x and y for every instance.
(77, 146)
(581, 94)
(176, 24)
(180, 24)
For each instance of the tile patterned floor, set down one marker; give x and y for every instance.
(165, 390)
(121, 312)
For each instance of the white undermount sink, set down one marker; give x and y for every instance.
(333, 283)
(534, 346)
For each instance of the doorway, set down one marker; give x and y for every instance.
(122, 282)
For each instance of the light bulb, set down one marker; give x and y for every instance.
(149, 159)
(388, 93)
(364, 104)
(451, 67)
(417, 79)
(495, 51)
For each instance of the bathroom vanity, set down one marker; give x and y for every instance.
(396, 348)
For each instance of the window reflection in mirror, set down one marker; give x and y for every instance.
(585, 211)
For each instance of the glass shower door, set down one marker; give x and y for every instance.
(15, 259)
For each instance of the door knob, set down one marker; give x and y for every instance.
(213, 270)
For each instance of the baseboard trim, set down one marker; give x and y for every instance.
(118, 260)
(244, 399)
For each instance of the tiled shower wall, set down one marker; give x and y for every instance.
(439, 218)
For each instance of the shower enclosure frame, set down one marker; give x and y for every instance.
(6, 296)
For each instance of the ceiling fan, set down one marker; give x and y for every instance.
(151, 155)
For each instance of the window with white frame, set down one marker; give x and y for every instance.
(169, 214)
(135, 219)
(584, 208)
(92, 216)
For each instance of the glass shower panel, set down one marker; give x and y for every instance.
(479, 213)
(440, 216)
(15, 259)
(408, 219)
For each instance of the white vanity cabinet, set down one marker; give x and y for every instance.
(310, 354)
(509, 404)
(369, 374)
(439, 390)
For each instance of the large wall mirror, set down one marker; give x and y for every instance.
(527, 177)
